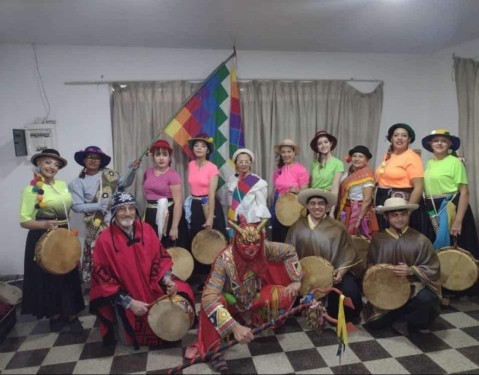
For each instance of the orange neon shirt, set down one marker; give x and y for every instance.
(399, 170)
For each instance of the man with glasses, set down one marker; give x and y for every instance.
(317, 234)
(131, 270)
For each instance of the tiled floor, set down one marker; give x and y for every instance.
(451, 346)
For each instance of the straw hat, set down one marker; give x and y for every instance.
(286, 142)
(396, 204)
(306, 194)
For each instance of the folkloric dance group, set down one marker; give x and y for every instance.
(411, 222)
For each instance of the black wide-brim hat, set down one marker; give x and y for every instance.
(410, 131)
(80, 155)
(455, 141)
(51, 153)
(361, 149)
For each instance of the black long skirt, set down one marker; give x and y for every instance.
(419, 218)
(183, 234)
(45, 294)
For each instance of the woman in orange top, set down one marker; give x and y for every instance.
(401, 174)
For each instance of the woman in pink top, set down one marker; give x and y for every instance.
(289, 177)
(164, 194)
(203, 181)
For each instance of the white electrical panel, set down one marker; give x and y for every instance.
(39, 137)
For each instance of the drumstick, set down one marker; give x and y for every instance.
(222, 347)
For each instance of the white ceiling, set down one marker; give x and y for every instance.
(384, 26)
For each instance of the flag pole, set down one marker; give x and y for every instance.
(135, 164)
(186, 101)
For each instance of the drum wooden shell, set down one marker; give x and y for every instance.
(183, 262)
(384, 289)
(318, 273)
(361, 245)
(207, 244)
(58, 251)
(171, 318)
(459, 269)
(287, 209)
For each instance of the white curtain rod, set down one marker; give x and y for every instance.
(74, 83)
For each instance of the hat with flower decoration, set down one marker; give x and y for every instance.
(204, 138)
(455, 141)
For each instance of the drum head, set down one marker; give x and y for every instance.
(207, 244)
(168, 320)
(361, 244)
(318, 273)
(183, 262)
(287, 209)
(58, 251)
(384, 289)
(459, 269)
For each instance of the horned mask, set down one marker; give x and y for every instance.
(249, 238)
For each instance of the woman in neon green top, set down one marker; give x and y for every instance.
(44, 206)
(326, 170)
(447, 193)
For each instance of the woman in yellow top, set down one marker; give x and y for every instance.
(45, 206)
(447, 193)
(401, 174)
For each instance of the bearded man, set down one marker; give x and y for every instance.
(240, 292)
(131, 270)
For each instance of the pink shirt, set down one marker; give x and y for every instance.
(156, 187)
(293, 175)
(199, 178)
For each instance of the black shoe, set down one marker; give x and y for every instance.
(56, 324)
(75, 326)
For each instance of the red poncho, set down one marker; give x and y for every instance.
(134, 267)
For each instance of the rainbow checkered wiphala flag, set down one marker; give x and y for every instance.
(213, 109)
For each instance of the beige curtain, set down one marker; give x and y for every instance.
(271, 112)
(139, 113)
(467, 88)
(275, 110)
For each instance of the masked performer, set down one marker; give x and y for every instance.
(240, 290)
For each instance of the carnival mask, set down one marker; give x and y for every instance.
(249, 238)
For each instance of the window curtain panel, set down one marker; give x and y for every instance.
(140, 111)
(275, 110)
(271, 111)
(467, 89)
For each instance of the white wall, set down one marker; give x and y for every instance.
(417, 91)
